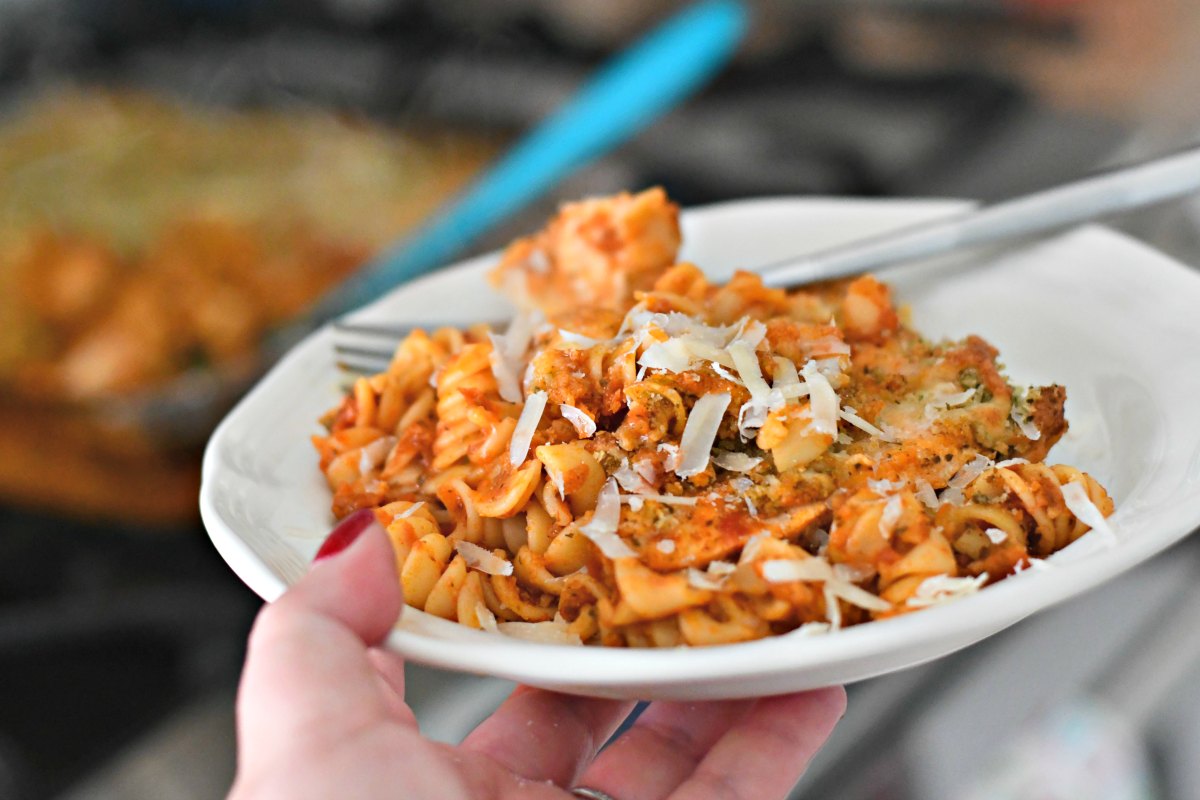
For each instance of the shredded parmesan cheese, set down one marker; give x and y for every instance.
(584, 425)
(635, 500)
(631, 480)
(944, 397)
(892, 510)
(753, 544)
(763, 399)
(818, 569)
(786, 376)
(672, 355)
(700, 432)
(556, 477)
(823, 400)
(953, 493)
(508, 353)
(885, 488)
(487, 620)
(736, 462)
(747, 366)
(926, 494)
(1076, 497)
(577, 338)
(751, 333)
(371, 454)
(833, 611)
(554, 632)
(811, 629)
(854, 419)
(995, 535)
(1010, 462)
(522, 435)
(671, 457)
(408, 512)
(483, 559)
(726, 374)
(751, 509)
(602, 527)
(942, 588)
(707, 581)
(1019, 414)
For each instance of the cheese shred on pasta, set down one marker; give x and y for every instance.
(649, 459)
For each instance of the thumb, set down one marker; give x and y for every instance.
(308, 679)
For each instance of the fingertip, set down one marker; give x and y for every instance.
(835, 698)
(357, 584)
(345, 533)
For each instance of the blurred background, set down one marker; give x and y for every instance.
(178, 178)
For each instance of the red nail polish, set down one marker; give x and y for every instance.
(345, 533)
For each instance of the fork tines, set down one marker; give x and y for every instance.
(356, 352)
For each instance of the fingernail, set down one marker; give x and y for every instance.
(345, 533)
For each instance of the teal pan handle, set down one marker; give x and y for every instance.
(626, 95)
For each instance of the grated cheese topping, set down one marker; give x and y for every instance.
(823, 400)
(508, 353)
(885, 488)
(577, 338)
(631, 479)
(726, 374)
(849, 414)
(635, 500)
(1019, 414)
(818, 569)
(709, 580)
(557, 478)
(601, 529)
(552, 632)
(735, 461)
(487, 620)
(943, 588)
(926, 494)
(700, 432)
(370, 456)
(483, 559)
(763, 399)
(408, 512)
(944, 397)
(584, 425)
(1076, 497)
(833, 611)
(522, 435)
(953, 493)
(671, 459)
(892, 510)
(673, 355)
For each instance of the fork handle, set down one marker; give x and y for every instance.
(1124, 189)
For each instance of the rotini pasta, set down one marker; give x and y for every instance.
(681, 463)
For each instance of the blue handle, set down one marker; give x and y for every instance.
(627, 94)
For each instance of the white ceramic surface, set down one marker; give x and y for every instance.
(1116, 322)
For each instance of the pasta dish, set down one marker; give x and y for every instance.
(648, 459)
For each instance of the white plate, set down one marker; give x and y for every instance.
(1111, 319)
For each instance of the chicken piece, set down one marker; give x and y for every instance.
(593, 253)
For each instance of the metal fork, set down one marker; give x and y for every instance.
(1104, 194)
(367, 349)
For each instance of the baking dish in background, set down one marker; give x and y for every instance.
(147, 249)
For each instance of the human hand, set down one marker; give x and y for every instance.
(321, 714)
